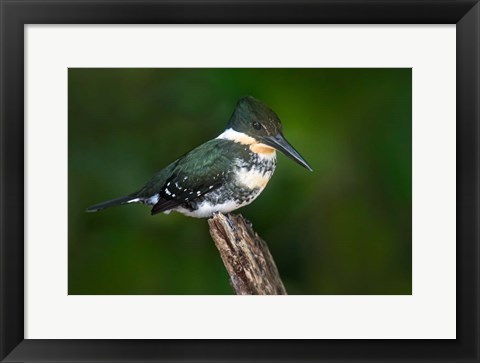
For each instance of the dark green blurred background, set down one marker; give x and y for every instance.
(343, 229)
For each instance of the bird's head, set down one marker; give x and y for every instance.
(256, 123)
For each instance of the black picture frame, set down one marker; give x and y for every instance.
(15, 14)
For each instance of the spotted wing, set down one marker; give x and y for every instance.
(197, 173)
(177, 194)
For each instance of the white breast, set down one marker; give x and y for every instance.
(253, 178)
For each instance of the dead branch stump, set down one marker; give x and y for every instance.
(245, 255)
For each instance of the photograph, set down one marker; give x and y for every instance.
(240, 181)
(221, 181)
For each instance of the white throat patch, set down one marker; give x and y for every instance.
(244, 139)
(238, 137)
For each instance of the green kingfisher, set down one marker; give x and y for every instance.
(223, 174)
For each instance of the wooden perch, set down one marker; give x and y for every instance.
(246, 256)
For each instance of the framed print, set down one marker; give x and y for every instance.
(347, 133)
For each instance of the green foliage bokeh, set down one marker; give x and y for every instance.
(343, 229)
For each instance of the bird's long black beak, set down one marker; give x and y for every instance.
(281, 144)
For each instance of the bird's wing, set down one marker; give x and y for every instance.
(198, 172)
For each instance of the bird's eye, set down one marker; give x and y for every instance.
(256, 125)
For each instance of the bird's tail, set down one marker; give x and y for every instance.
(111, 203)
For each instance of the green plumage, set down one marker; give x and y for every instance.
(201, 166)
(202, 170)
